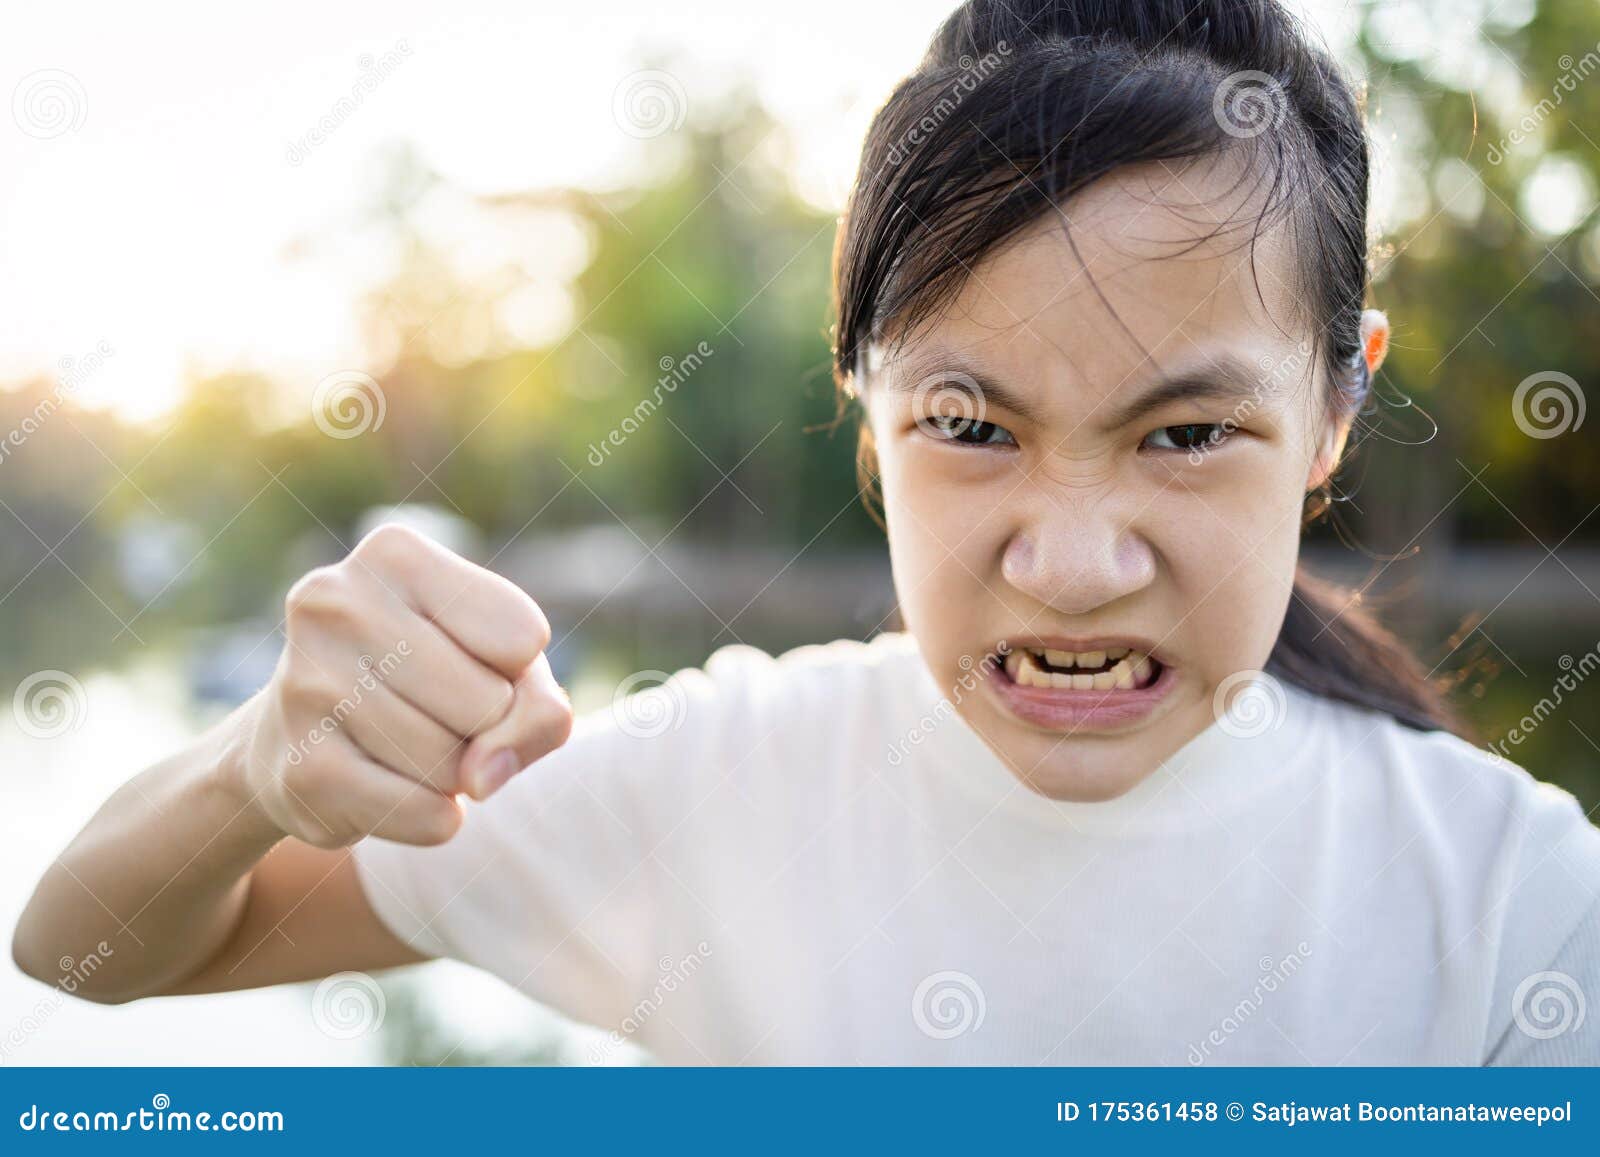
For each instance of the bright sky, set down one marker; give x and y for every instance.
(149, 198)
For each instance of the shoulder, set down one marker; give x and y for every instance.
(820, 664)
(747, 712)
(1518, 857)
(1485, 795)
(823, 685)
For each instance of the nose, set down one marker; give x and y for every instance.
(1075, 554)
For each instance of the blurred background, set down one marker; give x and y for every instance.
(552, 283)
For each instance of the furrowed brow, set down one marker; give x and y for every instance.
(1222, 378)
(949, 375)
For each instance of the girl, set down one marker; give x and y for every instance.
(1127, 790)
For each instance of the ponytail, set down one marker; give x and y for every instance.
(1333, 646)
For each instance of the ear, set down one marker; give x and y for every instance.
(1374, 348)
(1374, 339)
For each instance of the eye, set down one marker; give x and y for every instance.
(1190, 437)
(952, 428)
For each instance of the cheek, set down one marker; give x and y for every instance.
(945, 533)
(1231, 552)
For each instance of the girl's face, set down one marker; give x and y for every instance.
(1094, 530)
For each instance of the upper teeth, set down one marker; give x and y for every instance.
(1130, 669)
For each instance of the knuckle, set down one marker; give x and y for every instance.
(318, 596)
(534, 633)
(558, 719)
(543, 720)
(390, 543)
(308, 688)
(308, 592)
(303, 777)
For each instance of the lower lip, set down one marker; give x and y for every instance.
(1061, 709)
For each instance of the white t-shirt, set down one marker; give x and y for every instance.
(812, 859)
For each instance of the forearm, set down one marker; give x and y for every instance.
(155, 883)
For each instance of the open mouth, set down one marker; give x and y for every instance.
(1108, 669)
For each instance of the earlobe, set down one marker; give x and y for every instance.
(1374, 348)
(1329, 449)
(1374, 339)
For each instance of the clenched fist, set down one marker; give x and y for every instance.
(410, 675)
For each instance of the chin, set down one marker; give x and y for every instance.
(1080, 769)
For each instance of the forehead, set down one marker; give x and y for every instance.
(1152, 268)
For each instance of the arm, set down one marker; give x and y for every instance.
(225, 866)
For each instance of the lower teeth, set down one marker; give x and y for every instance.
(1132, 672)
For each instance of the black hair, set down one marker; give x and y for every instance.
(1020, 104)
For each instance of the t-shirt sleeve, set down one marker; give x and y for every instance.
(1551, 1022)
(1549, 972)
(553, 884)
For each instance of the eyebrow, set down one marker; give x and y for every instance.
(1213, 377)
